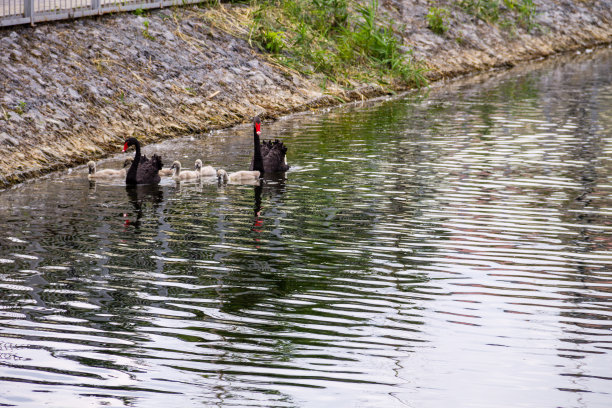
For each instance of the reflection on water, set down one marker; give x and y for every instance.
(454, 247)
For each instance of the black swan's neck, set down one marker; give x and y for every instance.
(257, 159)
(130, 177)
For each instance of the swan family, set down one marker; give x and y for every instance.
(107, 173)
(268, 157)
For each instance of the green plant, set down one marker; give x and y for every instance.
(437, 20)
(139, 12)
(508, 25)
(340, 39)
(460, 39)
(272, 41)
(487, 10)
(145, 30)
(491, 10)
(526, 11)
(380, 45)
(331, 13)
(20, 108)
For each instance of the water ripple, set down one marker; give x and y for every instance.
(419, 248)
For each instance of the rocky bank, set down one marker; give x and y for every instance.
(73, 91)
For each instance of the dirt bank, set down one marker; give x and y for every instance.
(73, 91)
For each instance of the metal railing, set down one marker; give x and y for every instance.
(14, 12)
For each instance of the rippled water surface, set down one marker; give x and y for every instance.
(444, 250)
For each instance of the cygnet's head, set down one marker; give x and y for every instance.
(198, 165)
(176, 165)
(222, 176)
(92, 167)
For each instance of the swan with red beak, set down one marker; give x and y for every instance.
(143, 170)
(268, 156)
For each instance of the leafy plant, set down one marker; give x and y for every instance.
(273, 41)
(526, 11)
(487, 10)
(491, 10)
(340, 39)
(20, 108)
(437, 20)
(145, 30)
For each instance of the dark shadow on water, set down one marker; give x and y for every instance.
(263, 268)
(139, 196)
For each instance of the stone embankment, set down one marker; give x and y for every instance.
(73, 91)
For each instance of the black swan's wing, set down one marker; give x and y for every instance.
(265, 149)
(266, 145)
(274, 158)
(148, 170)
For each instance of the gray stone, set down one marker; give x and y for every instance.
(169, 36)
(15, 117)
(5, 138)
(73, 94)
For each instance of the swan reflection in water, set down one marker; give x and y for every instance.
(273, 185)
(138, 196)
(236, 291)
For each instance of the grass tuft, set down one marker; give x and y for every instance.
(341, 39)
(491, 10)
(437, 20)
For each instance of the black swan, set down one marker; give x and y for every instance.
(143, 170)
(243, 176)
(186, 174)
(268, 156)
(107, 173)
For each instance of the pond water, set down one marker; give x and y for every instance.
(444, 249)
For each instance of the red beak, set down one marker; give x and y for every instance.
(258, 128)
(125, 147)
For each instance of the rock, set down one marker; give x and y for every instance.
(58, 123)
(106, 78)
(73, 94)
(6, 139)
(169, 36)
(15, 117)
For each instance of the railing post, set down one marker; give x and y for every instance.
(28, 10)
(95, 5)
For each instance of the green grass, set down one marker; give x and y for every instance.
(21, 108)
(491, 10)
(145, 30)
(437, 20)
(525, 11)
(340, 39)
(486, 10)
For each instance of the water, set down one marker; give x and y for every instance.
(450, 249)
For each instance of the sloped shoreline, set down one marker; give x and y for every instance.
(73, 91)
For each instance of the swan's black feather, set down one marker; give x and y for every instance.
(268, 156)
(148, 170)
(143, 170)
(274, 158)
